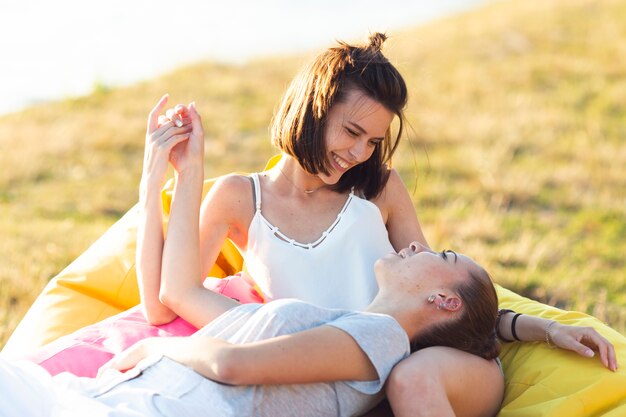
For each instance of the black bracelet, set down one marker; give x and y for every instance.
(501, 313)
(513, 332)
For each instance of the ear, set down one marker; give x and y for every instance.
(452, 303)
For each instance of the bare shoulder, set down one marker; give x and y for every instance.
(394, 191)
(232, 187)
(394, 183)
(232, 194)
(234, 183)
(228, 208)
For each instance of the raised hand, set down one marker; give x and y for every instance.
(585, 341)
(190, 153)
(161, 139)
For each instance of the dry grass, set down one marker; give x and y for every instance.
(517, 153)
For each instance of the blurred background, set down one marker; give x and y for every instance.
(515, 155)
(70, 47)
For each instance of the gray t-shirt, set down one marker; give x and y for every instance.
(162, 386)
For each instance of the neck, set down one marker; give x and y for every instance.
(411, 312)
(297, 178)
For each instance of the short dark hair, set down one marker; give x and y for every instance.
(299, 123)
(474, 330)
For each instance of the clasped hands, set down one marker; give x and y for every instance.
(176, 138)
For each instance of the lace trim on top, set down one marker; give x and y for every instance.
(276, 231)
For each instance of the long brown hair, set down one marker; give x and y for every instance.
(474, 330)
(299, 124)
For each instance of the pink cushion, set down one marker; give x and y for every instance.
(238, 287)
(83, 352)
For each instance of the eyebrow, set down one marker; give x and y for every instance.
(360, 129)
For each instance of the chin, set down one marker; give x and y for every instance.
(330, 179)
(386, 260)
(378, 266)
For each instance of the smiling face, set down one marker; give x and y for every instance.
(354, 128)
(301, 127)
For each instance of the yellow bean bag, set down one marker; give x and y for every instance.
(539, 381)
(554, 383)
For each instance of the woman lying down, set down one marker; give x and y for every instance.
(285, 357)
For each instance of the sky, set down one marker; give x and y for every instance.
(63, 48)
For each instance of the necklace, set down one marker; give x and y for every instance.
(298, 188)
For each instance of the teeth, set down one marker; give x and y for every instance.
(341, 162)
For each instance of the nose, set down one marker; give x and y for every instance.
(359, 150)
(417, 247)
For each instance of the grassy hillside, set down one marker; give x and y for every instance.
(521, 109)
(516, 153)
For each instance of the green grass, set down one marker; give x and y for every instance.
(516, 154)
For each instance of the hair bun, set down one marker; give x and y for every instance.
(376, 40)
(492, 347)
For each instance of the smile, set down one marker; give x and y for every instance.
(340, 161)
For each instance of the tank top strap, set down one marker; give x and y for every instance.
(257, 191)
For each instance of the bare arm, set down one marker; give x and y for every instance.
(168, 267)
(148, 255)
(582, 340)
(321, 354)
(399, 214)
(181, 286)
(226, 212)
(160, 140)
(181, 277)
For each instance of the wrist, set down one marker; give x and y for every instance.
(148, 193)
(503, 325)
(190, 173)
(549, 329)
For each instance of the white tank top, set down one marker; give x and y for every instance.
(335, 271)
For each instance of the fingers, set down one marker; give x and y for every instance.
(586, 340)
(612, 357)
(177, 115)
(193, 111)
(162, 120)
(153, 118)
(166, 143)
(603, 346)
(196, 121)
(167, 128)
(128, 358)
(122, 361)
(582, 349)
(159, 147)
(180, 109)
(174, 117)
(165, 131)
(112, 363)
